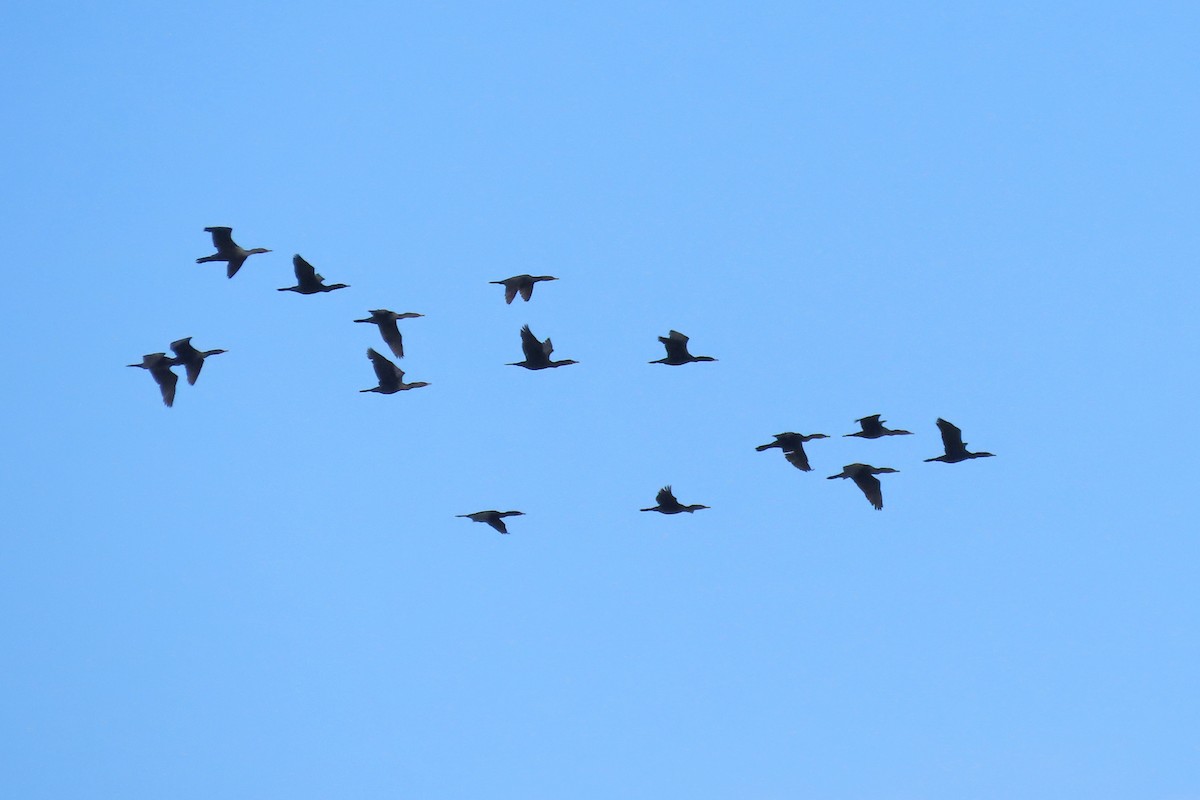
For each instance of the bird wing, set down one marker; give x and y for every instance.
(183, 348)
(676, 344)
(870, 487)
(498, 524)
(798, 458)
(665, 497)
(166, 384)
(391, 335)
(526, 290)
(222, 238)
(530, 345)
(193, 367)
(951, 437)
(305, 272)
(385, 370)
(510, 291)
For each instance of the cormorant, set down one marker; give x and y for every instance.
(864, 478)
(307, 279)
(493, 518)
(159, 366)
(521, 283)
(792, 445)
(386, 320)
(228, 250)
(537, 354)
(190, 358)
(667, 504)
(391, 377)
(872, 428)
(955, 447)
(677, 352)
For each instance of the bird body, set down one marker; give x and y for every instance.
(872, 428)
(677, 351)
(667, 504)
(792, 445)
(537, 353)
(493, 518)
(307, 279)
(190, 358)
(955, 447)
(864, 478)
(386, 320)
(159, 365)
(228, 250)
(521, 283)
(391, 377)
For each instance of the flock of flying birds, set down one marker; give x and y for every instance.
(537, 353)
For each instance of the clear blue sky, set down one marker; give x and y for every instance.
(986, 213)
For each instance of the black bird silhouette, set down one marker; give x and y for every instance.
(386, 320)
(537, 354)
(391, 377)
(792, 445)
(493, 518)
(872, 428)
(677, 350)
(667, 504)
(523, 284)
(955, 447)
(864, 478)
(307, 279)
(228, 250)
(159, 366)
(190, 358)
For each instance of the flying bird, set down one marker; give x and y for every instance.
(872, 428)
(493, 518)
(307, 279)
(955, 447)
(537, 354)
(190, 358)
(159, 366)
(667, 504)
(864, 478)
(523, 284)
(386, 320)
(792, 445)
(391, 377)
(677, 350)
(228, 250)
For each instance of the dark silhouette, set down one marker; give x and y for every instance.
(872, 428)
(386, 320)
(190, 358)
(523, 284)
(677, 351)
(228, 251)
(537, 354)
(493, 518)
(307, 279)
(667, 504)
(955, 447)
(159, 366)
(864, 478)
(792, 445)
(391, 377)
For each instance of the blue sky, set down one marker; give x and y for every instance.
(983, 213)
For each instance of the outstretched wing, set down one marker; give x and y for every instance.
(526, 289)
(530, 345)
(391, 335)
(222, 238)
(166, 384)
(305, 272)
(666, 497)
(676, 344)
(798, 458)
(510, 291)
(870, 487)
(951, 437)
(385, 370)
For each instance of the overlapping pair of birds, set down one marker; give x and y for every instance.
(537, 356)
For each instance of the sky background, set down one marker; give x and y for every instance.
(984, 212)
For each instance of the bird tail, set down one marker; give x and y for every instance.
(206, 259)
(647, 509)
(762, 447)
